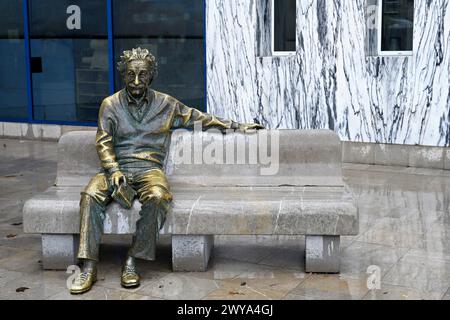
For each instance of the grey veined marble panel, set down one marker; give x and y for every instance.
(335, 80)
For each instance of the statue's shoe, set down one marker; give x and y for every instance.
(130, 277)
(83, 282)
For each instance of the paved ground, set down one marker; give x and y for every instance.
(405, 231)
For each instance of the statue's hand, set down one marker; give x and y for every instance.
(250, 126)
(117, 178)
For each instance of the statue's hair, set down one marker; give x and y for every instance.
(138, 54)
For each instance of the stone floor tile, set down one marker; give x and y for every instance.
(134, 296)
(225, 268)
(176, 286)
(447, 295)
(293, 296)
(391, 292)
(346, 241)
(7, 275)
(29, 287)
(359, 256)
(96, 293)
(17, 239)
(266, 286)
(23, 261)
(331, 287)
(394, 233)
(6, 252)
(421, 271)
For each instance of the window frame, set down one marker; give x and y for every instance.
(272, 31)
(385, 53)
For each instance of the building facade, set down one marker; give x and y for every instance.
(334, 80)
(337, 78)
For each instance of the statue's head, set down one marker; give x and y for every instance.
(138, 68)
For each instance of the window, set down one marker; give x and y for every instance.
(284, 16)
(13, 83)
(69, 61)
(396, 30)
(173, 31)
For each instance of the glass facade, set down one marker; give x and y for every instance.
(70, 77)
(73, 47)
(397, 25)
(13, 83)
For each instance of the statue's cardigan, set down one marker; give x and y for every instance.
(135, 135)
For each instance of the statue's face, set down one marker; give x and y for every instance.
(137, 78)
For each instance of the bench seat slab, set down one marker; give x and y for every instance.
(219, 211)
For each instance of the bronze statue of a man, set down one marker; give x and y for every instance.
(134, 127)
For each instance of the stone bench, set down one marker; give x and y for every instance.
(286, 182)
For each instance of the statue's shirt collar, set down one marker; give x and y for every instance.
(132, 101)
(138, 108)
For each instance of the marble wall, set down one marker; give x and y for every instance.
(333, 81)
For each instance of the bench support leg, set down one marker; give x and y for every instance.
(191, 253)
(59, 251)
(322, 254)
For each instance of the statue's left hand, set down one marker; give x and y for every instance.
(250, 126)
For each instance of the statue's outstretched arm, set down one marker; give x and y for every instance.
(186, 117)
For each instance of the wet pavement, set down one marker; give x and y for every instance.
(404, 236)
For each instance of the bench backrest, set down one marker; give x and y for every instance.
(266, 158)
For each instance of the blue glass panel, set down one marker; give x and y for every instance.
(70, 65)
(13, 85)
(173, 30)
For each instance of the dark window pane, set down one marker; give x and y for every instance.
(50, 19)
(13, 84)
(173, 30)
(284, 25)
(397, 25)
(11, 19)
(71, 65)
(156, 18)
